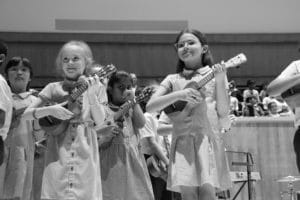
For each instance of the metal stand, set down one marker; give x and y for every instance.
(289, 191)
(249, 165)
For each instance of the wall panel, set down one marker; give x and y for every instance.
(153, 56)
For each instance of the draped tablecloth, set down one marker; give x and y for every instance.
(270, 142)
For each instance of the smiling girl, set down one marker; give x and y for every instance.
(193, 168)
(72, 168)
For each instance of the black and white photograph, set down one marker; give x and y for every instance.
(149, 100)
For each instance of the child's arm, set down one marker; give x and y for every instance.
(288, 78)
(222, 97)
(160, 99)
(157, 150)
(138, 118)
(97, 96)
(164, 129)
(98, 113)
(106, 133)
(35, 112)
(5, 103)
(281, 84)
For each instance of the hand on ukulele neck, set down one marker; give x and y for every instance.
(129, 95)
(70, 85)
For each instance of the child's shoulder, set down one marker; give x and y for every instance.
(2, 79)
(3, 82)
(172, 77)
(53, 86)
(31, 94)
(53, 91)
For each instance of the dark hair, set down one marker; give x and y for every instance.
(117, 77)
(15, 61)
(3, 47)
(250, 82)
(207, 58)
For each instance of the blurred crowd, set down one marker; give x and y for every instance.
(253, 102)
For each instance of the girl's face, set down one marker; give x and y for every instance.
(120, 91)
(18, 77)
(73, 62)
(189, 50)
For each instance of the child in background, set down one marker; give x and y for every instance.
(151, 145)
(193, 168)
(72, 168)
(165, 130)
(123, 168)
(18, 169)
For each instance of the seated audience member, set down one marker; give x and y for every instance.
(272, 110)
(234, 106)
(251, 91)
(234, 91)
(263, 92)
(252, 108)
(282, 106)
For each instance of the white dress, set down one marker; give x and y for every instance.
(72, 169)
(193, 157)
(123, 167)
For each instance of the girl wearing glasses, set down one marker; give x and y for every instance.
(193, 168)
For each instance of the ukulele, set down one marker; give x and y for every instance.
(118, 117)
(57, 126)
(178, 106)
(156, 166)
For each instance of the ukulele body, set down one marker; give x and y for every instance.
(55, 125)
(178, 106)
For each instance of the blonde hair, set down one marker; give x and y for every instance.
(87, 54)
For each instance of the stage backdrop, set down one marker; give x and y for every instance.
(152, 56)
(213, 16)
